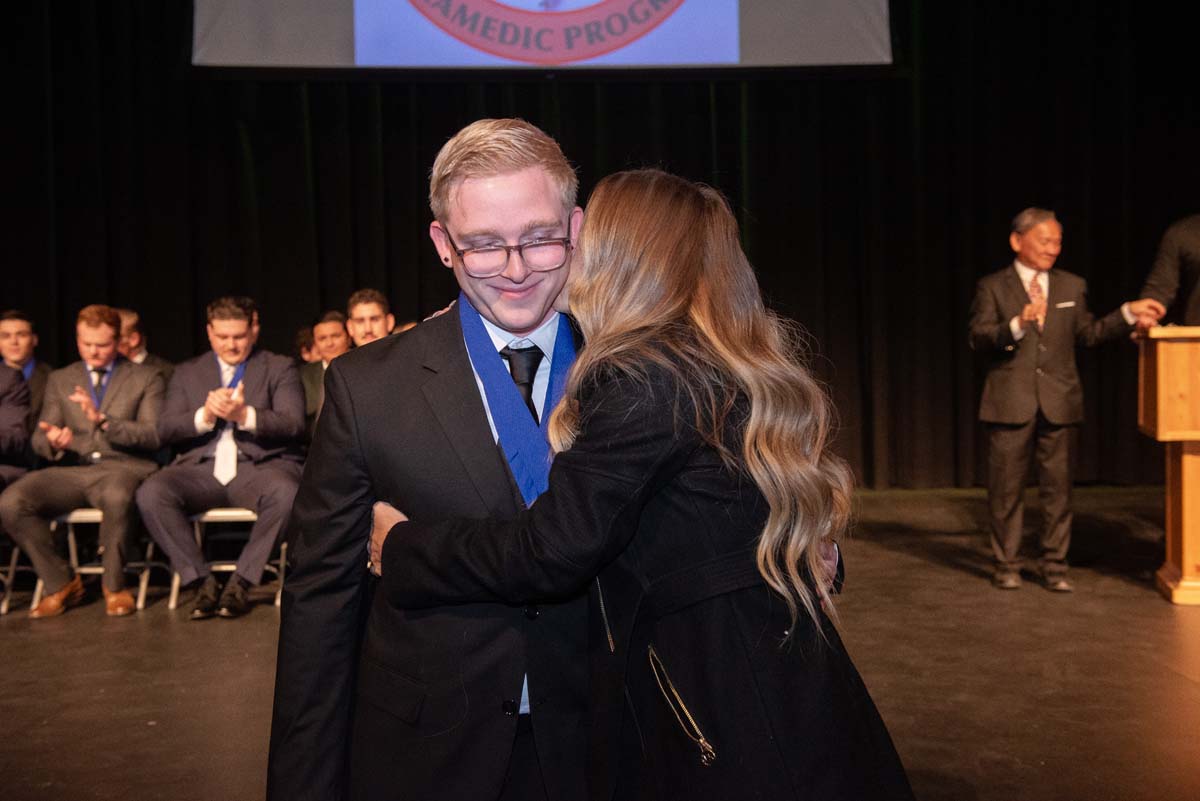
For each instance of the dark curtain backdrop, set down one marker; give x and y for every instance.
(871, 200)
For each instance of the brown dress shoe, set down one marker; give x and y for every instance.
(118, 604)
(56, 604)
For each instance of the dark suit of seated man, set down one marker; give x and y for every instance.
(132, 345)
(18, 339)
(14, 436)
(330, 340)
(97, 431)
(235, 416)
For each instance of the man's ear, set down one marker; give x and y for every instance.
(574, 224)
(441, 241)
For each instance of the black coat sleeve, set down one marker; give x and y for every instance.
(634, 436)
(322, 603)
(988, 329)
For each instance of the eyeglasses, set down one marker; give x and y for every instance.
(539, 255)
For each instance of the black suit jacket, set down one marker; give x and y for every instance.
(272, 387)
(1039, 371)
(14, 436)
(312, 379)
(1175, 278)
(642, 501)
(424, 706)
(37, 392)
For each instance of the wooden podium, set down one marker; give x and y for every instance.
(1169, 411)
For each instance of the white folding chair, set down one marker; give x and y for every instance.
(95, 517)
(228, 515)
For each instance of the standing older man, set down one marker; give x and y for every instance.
(97, 430)
(1029, 321)
(236, 418)
(467, 703)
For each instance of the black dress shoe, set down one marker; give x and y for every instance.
(206, 598)
(235, 600)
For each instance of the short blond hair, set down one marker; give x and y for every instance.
(492, 147)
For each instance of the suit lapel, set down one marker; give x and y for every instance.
(119, 374)
(252, 380)
(453, 397)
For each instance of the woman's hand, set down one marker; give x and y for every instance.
(383, 517)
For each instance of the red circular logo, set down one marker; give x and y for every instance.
(547, 37)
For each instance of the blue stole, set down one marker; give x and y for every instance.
(238, 372)
(523, 441)
(98, 392)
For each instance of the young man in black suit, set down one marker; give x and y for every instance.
(466, 703)
(97, 431)
(330, 340)
(18, 339)
(1174, 280)
(1029, 321)
(14, 435)
(235, 416)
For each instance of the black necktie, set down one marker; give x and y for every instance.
(523, 363)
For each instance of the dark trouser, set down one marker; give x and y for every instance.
(523, 782)
(169, 497)
(9, 474)
(28, 506)
(1008, 465)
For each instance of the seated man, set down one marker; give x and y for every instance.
(235, 416)
(305, 348)
(133, 345)
(97, 431)
(330, 340)
(18, 338)
(14, 436)
(370, 317)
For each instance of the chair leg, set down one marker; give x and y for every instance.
(38, 589)
(173, 601)
(72, 549)
(9, 579)
(282, 572)
(144, 577)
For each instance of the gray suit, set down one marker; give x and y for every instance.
(269, 461)
(1032, 393)
(100, 468)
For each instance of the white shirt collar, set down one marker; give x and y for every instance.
(544, 336)
(1027, 274)
(140, 357)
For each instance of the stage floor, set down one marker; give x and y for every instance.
(988, 694)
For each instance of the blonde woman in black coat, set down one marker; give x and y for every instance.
(693, 492)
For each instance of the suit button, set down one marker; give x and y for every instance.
(532, 612)
(1042, 348)
(510, 707)
(1039, 371)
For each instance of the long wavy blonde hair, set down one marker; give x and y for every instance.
(660, 276)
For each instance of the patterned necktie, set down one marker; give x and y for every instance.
(1037, 296)
(523, 363)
